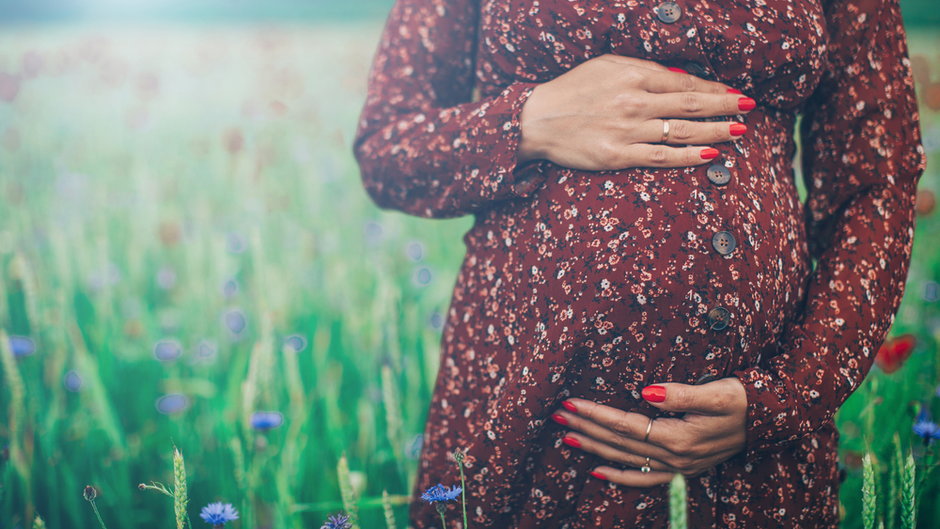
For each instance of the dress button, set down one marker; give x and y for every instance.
(668, 12)
(696, 69)
(723, 242)
(718, 174)
(718, 318)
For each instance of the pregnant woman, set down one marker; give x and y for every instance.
(643, 293)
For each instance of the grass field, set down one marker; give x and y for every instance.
(184, 242)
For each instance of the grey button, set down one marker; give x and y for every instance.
(706, 378)
(723, 242)
(719, 318)
(696, 69)
(668, 12)
(718, 174)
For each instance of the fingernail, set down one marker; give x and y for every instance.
(598, 475)
(559, 419)
(569, 406)
(571, 441)
(708, 153)
(746, 103)
(735, 91)
(679, 70)
(654, 393)
(738, 129)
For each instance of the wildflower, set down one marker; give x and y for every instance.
(926, 428)
(266, 420)
(172, 403)
(167, 350)
(235, 321)
(89, 493)
(893, 353)
(440, 493)
(296, 342)
(21, 345)
(422, 276)
(337, 521)
(72, 381)
(218, 513)
(206, 349)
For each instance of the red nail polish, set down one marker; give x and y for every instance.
(598, 475)
(569, 406)
(738, 129)
(708, 153)
(654, 393)
(677, 70)
(559, 419)
(746, 103)
(735, 91)
(571, 441)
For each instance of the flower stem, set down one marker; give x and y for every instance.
(463, 493)
(98, 514)
(443, 522)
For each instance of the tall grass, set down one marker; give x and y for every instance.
(185, 241)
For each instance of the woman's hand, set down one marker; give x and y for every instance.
(711, 431)
(607, 113)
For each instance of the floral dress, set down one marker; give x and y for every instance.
(594, 284)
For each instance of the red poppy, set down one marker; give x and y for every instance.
(894, 352)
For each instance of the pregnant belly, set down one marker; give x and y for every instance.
(666, 273)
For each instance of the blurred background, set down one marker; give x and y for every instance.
(188, 259)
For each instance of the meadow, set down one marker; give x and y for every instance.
(188, 259)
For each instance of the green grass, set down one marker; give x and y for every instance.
(131, 212)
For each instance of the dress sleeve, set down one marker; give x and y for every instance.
(861, 158)
(423, 147)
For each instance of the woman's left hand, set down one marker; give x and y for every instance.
(711, 431)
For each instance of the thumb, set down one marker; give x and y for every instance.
(672, 396)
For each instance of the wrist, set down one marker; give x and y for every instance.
(533, 144)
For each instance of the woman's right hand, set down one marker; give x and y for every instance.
(607, 113)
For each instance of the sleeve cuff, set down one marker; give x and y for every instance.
(524, 179)
(779, 407)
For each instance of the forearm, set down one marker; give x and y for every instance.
(447, 162)
(851, 301)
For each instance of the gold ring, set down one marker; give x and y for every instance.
(648, 428)
(646, 468)
(665, 131)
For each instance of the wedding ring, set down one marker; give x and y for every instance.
(665, 131)
(646, 468)
(648, 428)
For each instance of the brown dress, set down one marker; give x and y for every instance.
(596, 284)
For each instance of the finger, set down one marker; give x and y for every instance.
(661, 155)
(690, 104)
(610, 453)
(633, 478)
(625, 426)
(714, 398)
(625, 436)
(690, 132)
(668, 81)
(637, 62)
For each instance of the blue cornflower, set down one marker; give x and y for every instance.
(266, 420)
(219, 513)
(21, 345)
(926, 428)
(337, 521)
(440, 493)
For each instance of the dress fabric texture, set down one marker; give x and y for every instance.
(595, 284)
